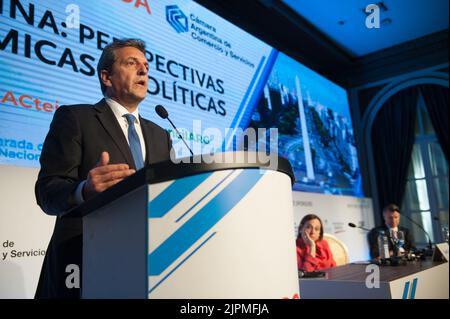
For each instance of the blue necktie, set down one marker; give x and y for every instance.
(133, 139)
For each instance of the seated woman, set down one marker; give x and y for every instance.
(313, 252)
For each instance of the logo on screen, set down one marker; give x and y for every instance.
(177, 19)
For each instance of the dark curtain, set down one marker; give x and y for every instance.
(436, 100)
(393, 136)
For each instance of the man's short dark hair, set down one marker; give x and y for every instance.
(108, 56)
(391, 208)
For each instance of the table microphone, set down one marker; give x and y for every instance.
(360, 227)
(430, 245)
(162, 112)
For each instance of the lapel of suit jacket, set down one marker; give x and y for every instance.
(109, 122)
(147, 133)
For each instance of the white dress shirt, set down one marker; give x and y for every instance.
(393, 231)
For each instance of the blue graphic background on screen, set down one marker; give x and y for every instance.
(334, 168)
(211, 71)
(215, 69)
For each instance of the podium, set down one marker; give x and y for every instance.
(222, 229)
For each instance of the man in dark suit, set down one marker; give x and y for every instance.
(90, 148)
(391, 215)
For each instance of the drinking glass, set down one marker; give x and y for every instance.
(400, 242)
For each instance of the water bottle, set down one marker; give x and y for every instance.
(383, 245)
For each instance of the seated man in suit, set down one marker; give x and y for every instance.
(391, 215)
(90, 148)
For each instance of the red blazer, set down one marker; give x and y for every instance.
(324, 257)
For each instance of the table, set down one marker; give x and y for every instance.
(417, 279)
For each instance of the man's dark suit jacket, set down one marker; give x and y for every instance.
(373, 239)
(78, 135)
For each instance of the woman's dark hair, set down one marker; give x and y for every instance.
(306, 219)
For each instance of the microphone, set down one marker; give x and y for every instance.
(430, 244)
(162, 112)
(360, 227)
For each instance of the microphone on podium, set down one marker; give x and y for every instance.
(162, 112)
(360, 227)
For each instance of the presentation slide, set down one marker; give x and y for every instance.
(315, 131)
(207, 72)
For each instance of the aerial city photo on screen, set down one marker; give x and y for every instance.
(315, 128)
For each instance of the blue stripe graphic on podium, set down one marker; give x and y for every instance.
(173, 194)
(412, 293)
(199, 224)
(182, 262)
(204, 196)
